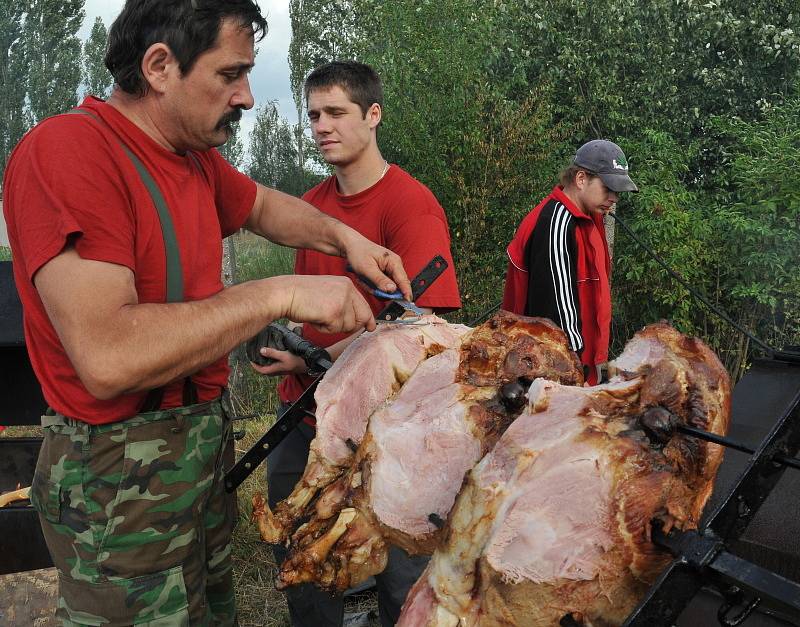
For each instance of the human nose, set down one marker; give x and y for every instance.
(613, 197)
(243, 97)
(322, 124)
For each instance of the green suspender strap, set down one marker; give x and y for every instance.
(174, 270)
(174, 292)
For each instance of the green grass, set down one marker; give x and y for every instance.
(254, 568)
(5, 253)
(256, 258)
(259, 604)
(254, 395)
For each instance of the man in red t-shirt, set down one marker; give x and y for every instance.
(115, 216)
(388, 206)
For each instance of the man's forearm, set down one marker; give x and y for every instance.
(289, 221)
(144, 346)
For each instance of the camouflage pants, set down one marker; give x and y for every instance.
(136, 518)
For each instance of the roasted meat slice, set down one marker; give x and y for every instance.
(367, 373)
(556, 519)
(411, 463)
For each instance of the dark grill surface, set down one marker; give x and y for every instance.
(772, 540)
(22, 546)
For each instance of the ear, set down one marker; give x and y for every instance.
(374, 115)
(581, 179)
(158, 65)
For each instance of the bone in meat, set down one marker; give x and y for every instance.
(411, 463)
(556, 519)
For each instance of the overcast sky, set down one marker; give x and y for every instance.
(269, 79)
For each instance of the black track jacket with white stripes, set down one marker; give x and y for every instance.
(559, 269)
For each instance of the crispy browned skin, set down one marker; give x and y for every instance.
(653, 472)
(343, 543)
(508, 347)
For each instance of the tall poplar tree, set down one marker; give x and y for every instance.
(322, 31)
(12, 80)
(273, 154)
(98, 79)
(272, 151)
(233, 150)
(53, 54)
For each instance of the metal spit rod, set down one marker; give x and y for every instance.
(718, 439)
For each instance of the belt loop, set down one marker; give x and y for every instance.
(53, 420)
(225, 403)
(180, 421)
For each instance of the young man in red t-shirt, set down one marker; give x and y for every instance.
(559, 266)
(115, 215)
(389, 207)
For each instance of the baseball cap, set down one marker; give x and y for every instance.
(607, 160)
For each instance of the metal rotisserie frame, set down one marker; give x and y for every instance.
(742, 567)
(22, 545)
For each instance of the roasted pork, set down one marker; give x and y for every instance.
(406, 474)
(556, 519)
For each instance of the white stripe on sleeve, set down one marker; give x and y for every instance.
(561, 271)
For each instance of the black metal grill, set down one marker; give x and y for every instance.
(766, 536)
(22, 546)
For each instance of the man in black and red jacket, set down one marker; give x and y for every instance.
(559, 265)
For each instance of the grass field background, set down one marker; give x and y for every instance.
(254, 395)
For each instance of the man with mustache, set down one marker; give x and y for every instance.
(559, 266)
(115, 214)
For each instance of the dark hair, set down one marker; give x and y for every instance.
(188, 27)
(568, 174)
(359, 81)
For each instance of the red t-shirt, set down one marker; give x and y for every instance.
(398, 212)
(69, 180)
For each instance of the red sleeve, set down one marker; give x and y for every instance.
(234, 193)
(417, 231)
(67, 180)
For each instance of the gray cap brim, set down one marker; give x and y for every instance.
(619, 182)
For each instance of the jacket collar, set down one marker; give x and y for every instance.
(560, 196)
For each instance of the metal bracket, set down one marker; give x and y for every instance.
(274, 436)
(701, 557)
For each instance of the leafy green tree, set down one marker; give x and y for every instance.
(12, 80)
(53, 54)
(233, 149)
(757, 219)
(273, 154)
(664, 65)
(484, 155)
(322, 31)
(672, 220)
(98, 79)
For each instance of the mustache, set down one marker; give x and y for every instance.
(229, 118)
